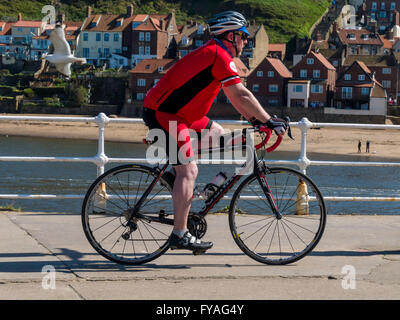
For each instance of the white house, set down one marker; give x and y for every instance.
(101, 37)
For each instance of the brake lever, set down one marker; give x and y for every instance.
(289, 130)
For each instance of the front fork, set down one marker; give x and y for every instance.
(260, 170)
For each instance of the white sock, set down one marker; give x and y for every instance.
(179, 233)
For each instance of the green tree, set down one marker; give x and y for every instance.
(79, 96)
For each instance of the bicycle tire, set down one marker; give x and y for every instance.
(251, 217)
(105, 219)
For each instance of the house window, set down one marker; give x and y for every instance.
(106, 37)
(382, 6)
(184, 41)
(199, 43)
(273, 88)
(273, 102)
(140, 96)
(303, 73)
(141, 36)
(147, 50)
(256, 87)
(260, 73)
(316, 88)
(347, 76)
(98, 36)
(141, 82)
(116, 37)
(361, 77)
(270, 74)
(147, 36)
(298, 88)
(386, 70)
(387, 84)
(183, 53)
(316, 74)
(310, 61)
(141, 50)
(85, 36)
(86, 52)
(160, 69)
(382, 14)
(106, 52)
(393, 6)
(365, 91)
(200, 29)
(347, 93)
(373, 16)
(374, 6)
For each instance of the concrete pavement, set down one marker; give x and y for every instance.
(31, 244)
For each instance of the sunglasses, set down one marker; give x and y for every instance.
(242, 35)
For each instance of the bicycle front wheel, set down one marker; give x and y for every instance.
(109, 225)
(264, 236)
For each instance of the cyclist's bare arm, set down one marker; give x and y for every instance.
(245, 102)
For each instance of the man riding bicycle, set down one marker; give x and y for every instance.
(181, 100)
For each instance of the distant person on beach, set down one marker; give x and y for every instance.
(359, 146)
(367, 147)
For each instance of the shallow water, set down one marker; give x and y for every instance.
(75, 178)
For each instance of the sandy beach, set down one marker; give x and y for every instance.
(383, 143)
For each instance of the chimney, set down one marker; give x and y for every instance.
(335, 27)
(61, 18)
(19, 16)
(88, 11)
(375, 27)
(129, 10)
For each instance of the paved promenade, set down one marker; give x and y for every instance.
(357, 258)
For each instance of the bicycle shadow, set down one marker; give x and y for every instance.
(76, 261)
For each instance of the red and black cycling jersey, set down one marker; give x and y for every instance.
(189, 88)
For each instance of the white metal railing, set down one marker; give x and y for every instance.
(101, 159)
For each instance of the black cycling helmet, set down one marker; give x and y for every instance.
(227, 21)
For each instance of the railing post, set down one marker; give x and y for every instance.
(102, 120)
(302, 192)
(304, 125)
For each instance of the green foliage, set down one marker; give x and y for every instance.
(29, 93)
(282, 19)
(53, 102)
(78, 96)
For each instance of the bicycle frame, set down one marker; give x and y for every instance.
(258, 169)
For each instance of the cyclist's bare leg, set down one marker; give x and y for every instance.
(182, 193)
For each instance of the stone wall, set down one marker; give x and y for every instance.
(228, 112)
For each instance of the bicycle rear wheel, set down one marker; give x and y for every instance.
(107, 222)
(264, 237)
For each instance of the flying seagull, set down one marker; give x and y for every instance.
(61, 57)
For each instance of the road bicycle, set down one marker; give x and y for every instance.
(276, 215)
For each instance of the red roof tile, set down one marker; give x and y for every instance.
(152, 65)
(28, 24)
(358, 36)
(323, 60)
(280, 67)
